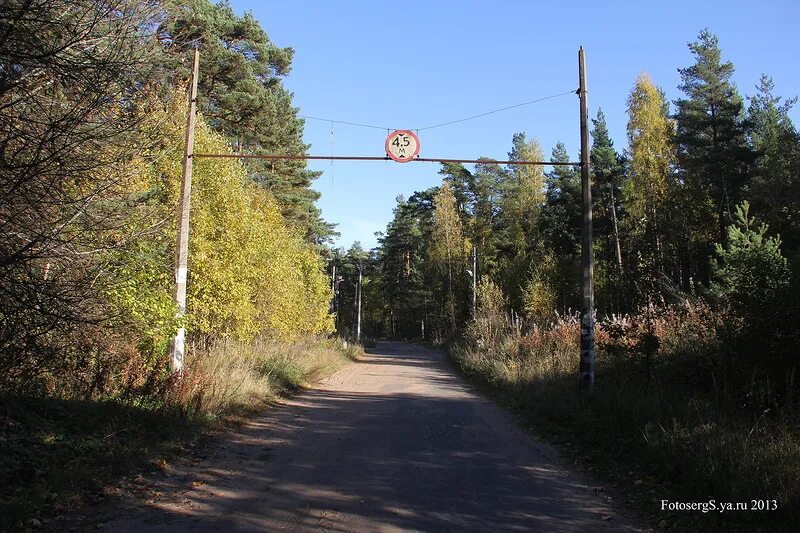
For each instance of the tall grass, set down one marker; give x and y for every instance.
(676, 414)
(61, 448)
(230, 377)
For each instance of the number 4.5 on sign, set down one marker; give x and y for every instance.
(402, 146)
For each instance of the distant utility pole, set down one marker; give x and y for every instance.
(178, 347)
(474, 282)
(587, 256)
(358, 323)
(333, 288)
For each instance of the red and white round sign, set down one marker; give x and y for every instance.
(402, 146)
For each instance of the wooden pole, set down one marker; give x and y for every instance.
(587, 255)
(333, 287)
(178, 348)
(474, 282)
(358, 327)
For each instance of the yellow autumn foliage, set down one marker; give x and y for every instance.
(249, 272)
(650, 132)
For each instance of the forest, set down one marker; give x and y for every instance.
(696, 247)
(696, 284)
(93, 117)
(93, 107)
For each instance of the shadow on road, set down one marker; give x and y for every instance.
(396, 440)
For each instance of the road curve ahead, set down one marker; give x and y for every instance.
(397, 442)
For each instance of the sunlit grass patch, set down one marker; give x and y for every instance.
(58, 452)
(680, 422)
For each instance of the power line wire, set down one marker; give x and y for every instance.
(495, 111)
(357, 124)
(343, 122)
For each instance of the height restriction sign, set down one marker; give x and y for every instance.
(402, 146)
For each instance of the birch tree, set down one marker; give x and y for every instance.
(447, 253)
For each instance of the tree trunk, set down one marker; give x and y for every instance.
(616, 228)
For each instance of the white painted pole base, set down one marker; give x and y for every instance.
(178, 350)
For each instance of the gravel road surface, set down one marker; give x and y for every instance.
(396, 442)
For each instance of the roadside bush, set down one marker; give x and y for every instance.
(752, 278)
(490, 321)
(672, 409)
(56, 450)
(71, 73)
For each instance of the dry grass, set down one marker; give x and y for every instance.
(58, 451)
(232, 377)
(674, 414)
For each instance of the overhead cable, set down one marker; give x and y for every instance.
(495, 111)
(443, 123)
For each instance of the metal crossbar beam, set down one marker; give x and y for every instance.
(384, 158)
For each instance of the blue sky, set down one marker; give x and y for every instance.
(408, 64)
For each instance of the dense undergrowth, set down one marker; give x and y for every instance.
(676, 414)
(57, 452)
(90, 192)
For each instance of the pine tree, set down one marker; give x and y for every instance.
(562, 210)
(607, 167)
(349, 264)
(712, 150)
(478, 195)
(775, 188)
(486, 187)
(242, 95)
(463, 183)
(403, 256)
(518, 221)
(766, 115)
(751, 276)
(561, 227)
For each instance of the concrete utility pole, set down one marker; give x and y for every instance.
(333, 287)
(358, 324)
(178, 347)
(474, 282)
(587, 255)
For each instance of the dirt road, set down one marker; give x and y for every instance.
(397, 442)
